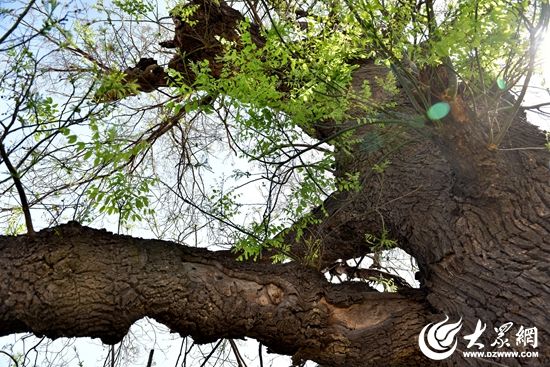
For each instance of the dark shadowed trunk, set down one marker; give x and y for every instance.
(476, 220)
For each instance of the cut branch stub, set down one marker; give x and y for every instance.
(199, 37)
(147, 74)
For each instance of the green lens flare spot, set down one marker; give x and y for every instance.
(438, 111)
(501, 83)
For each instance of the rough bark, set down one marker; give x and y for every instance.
(476, 220)
(77, 281)
(196, 40)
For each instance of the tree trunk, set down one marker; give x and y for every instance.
(77, 281)
(475, 219)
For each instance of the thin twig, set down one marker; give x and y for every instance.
(211, 352)
(12, 358)
(19, 186)
(238, 356)
(17, 21)
(150, 361)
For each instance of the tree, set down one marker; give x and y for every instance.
(376, 124)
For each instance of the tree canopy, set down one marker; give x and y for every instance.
(306, 138)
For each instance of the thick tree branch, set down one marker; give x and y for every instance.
(77, 281)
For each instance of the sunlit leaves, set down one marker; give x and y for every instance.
(122, 192)
(482, 37)
(275, 92)
(136, 8)
(42, 111)
(184, 11)
(260, 236)
(15, 224)
(380, 243)
(86, 34)
(122, 195)
(385, 27)
(113, 86)
(275, 95)
(350, 182)
(224, 205)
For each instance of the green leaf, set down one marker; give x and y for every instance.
(501, 83)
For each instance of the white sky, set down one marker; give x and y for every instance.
(540, 90)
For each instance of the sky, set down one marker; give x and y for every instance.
(539, 92)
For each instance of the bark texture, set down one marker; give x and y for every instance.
(476, 219)
(77, 281)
